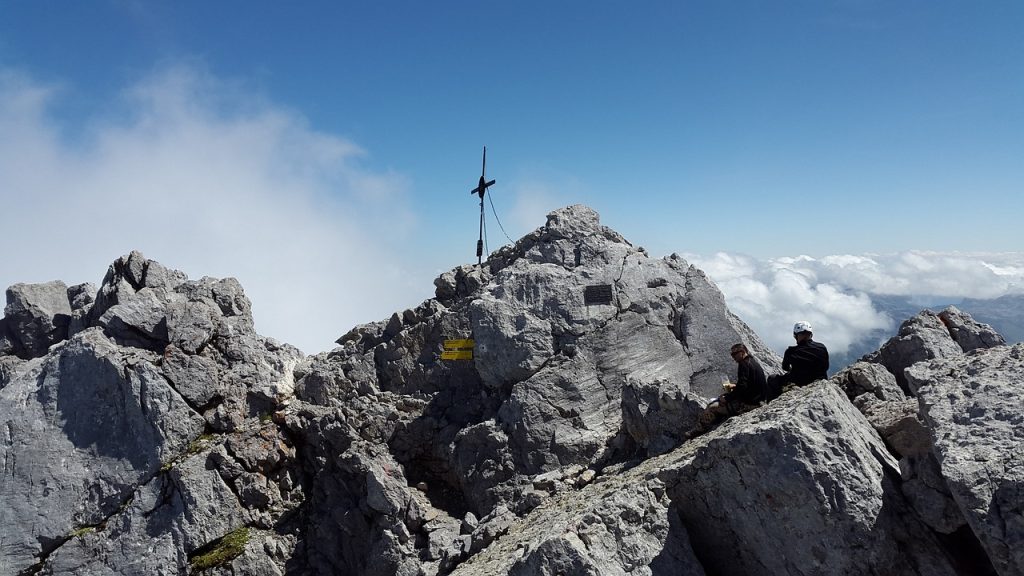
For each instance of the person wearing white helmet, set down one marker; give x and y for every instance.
(807, 361)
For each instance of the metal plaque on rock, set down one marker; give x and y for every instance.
(597, 294)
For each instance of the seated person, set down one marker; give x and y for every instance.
(746, 394)
(803, 363)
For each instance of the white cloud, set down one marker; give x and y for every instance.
(834, 292)
(533, 201)
(209, 180)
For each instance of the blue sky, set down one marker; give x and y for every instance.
(765, 129)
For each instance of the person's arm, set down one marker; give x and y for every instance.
(787, 360)
(760, 381)
(742, 375)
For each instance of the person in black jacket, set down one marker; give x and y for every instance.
(747, 393)
(803, 363)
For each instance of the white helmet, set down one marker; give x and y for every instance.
(802, 326)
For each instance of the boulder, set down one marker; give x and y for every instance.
(36, 317)
(923, 337)
(868, 378)
(968, 333)
(168, 520)
(83, 427)
(897, 420)
(974, 407)
(656, 415)
(929, 336)
(619, 525)
(803, 486)
(81, 297)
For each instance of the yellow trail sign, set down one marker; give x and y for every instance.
(464, 344)
(458, 349)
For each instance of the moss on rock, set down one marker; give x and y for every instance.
(222, 551)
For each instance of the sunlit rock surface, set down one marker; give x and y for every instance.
(146, 428)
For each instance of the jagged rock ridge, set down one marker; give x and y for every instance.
(184, 439)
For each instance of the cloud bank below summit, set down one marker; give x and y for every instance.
(835, 292)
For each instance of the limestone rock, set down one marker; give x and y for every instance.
(923, 337)
(968, 333)
(162, 427)
(801, 486)
(130, 274)
(114, 416)
(140, 322)
(167, 520)
(623, 526)
(656, 414)
(83, 427)
(897, 420)
(929, 336)
(9, 366)
(566, 359)
(81, 298)
(36, 317)
(868, 378)
(927, 492)
(874, 392)
(899, 424)
(461, 282)
(974, 407)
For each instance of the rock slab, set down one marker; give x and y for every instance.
(974, 407)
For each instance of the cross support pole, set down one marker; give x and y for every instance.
(481, 189)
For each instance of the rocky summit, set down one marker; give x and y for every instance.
(527, 420)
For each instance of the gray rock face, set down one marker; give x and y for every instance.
(9, 366)
(896, 419)
(36, 317)
(974, 407)
(161, 434)
(929, 336)
(652, 411)
(801, 487)
(621, 526)
(968, 333)
(927, 492)
(106, 467)
(89, 411)
(169, 517)
(566, 360)
(923, 337)
(81, 297)
(543, 394)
